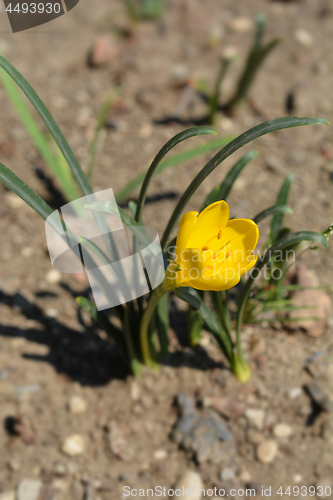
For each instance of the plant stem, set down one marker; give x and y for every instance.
(214, 100)
(144, 328)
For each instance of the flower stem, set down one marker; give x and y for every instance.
(144, 328)
(240, 368)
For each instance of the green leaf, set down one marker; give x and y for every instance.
(100, 122)
(245, 138)
(50, 124)
(184, 294)
(177, 139)
(61, 172)
(282, 243)
(113, 332)
(15, 184)
(275, 209)
(282, 198)
(162, 315)
(213, 324)
(173, 161)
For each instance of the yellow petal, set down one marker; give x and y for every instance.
(241, 236)
(219, 281)
(186, 225)
(192, 264)
(209, 223)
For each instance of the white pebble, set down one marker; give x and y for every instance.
(160, 454)
(29, 489)
(73, 445)
(295, 392)
(77, 404)
(282, 431)
(298, 478)
(227, 474)
(245, 476)
(256, 417)
(53, 276)
(189, 480)
(266, 451)
(303, 38)
(241, 24)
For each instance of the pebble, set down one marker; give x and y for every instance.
(295, 392)
(304, 38)
(135, 391)
(255, 437)
(73, 445)
(319, 397)
(59, 469)
(255, 417)
(13, 201)
(77, 404)
(52, 312)
(160, 454)
(266, 451)
(103, 51)
(282, 431)
(53, 276)
(245, 476)
(29, 489)
(227, 406)
(227, 474)
(241, 24)
(189, 480)
(298, 478)
(7, 495)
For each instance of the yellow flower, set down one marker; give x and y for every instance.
(212, 252)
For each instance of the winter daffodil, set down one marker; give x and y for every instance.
(211, 253)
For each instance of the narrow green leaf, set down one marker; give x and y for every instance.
(174, 141)
(233, 174)
(113, 332)
(184, 294)
(100, 122)
(275, 209)
(19, 187)
(282, 198)
(162, 314)
(282, 243)
(65, 181)
(173, 161)
(245, 138)
(50, 124)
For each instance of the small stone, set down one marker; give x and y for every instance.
(103, 51)
(118, 442)
(29, 489)
(298, 478)
(77, 404)
(8, 495)
(241, 24)
(13, 201)
(73, 445)
(282, 431)
(135, 391)
(295, 392)
(245, 476)
(13, 465)
(319, 397)
(187, 481)
(266, 451)
(304, 38)
(27, 252)
(160, 454)
(59, 469)
(316, 303)
(51, 312)
(227, 406)
(255, 417)
(255, 437)
(227, 474)
(53, 276)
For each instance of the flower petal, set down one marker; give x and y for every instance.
(193, 265)
(217, 282)
(209, 223)
(186, 225)
(241, 235)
